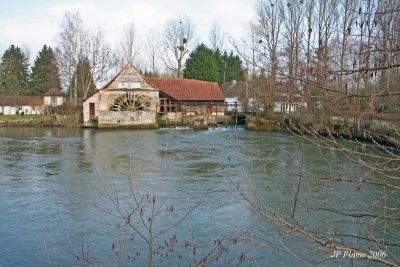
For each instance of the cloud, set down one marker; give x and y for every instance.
(39, 24)
(34, 31)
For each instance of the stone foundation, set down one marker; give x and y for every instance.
(136, 119)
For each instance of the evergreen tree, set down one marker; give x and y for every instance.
(13, 72)
(221, 65)
(84, 79)
(202, 64)
(233, 68)
(149, 73)
(208, 65)
(45, 73)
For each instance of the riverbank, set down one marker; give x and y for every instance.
(382, 131)
(39, 120)
(71, 121)
(367, 129)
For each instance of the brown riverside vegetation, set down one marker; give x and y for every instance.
(367, 129)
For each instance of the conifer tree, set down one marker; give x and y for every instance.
(209, 65)
(13, 72)
(202, 65)
(45, 74)
(84, 78)
(233, 68)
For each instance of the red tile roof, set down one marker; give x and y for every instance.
(54, 92)
(187, 89)
(21, 101)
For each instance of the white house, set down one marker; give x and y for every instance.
(233, 104)
(281, 104)
(54, 97)
(35, 105)
(14, 105)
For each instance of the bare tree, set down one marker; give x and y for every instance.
(128, 48)
(151, 219)
(352, 212)
(27, 53)
(98, 52)
(142, 217)
(268, 26)
(216, 37)
(388, 50)
(344, 37)
(153, 46)
(177, 39)
(77, 44)
(359, 48)
(294, 16)
(338, 59)
(72, 41)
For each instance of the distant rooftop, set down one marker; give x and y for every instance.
(54, 92)
(21, 100)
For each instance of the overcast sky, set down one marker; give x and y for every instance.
(37, 22)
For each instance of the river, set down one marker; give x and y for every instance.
(56, 185)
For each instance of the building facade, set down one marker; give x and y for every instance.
(128, 100)
(54, 97)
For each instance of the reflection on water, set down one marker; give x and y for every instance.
(50, 181)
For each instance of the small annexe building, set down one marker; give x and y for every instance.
(189, 97)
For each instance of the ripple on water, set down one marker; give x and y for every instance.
(50, 183)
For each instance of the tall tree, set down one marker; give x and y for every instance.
(13, 72)
(202, 64)
(44, 75)
(268, 27)
(208, 65)
(178, 37)
(76, 44)
(233, 69)
(128, 48)
(83, 76)
(99, 57)
(153, 52)
(294, 11)
(27, 53)
(216, 37)
(344, 36)
(388, 53)
(71, 42)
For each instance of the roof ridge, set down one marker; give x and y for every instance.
(183, 79)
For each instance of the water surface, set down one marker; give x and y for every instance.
(54, 185)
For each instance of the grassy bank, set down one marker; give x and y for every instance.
(23, 117)
(38, 121)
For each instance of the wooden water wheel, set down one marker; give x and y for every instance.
(131, 102)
